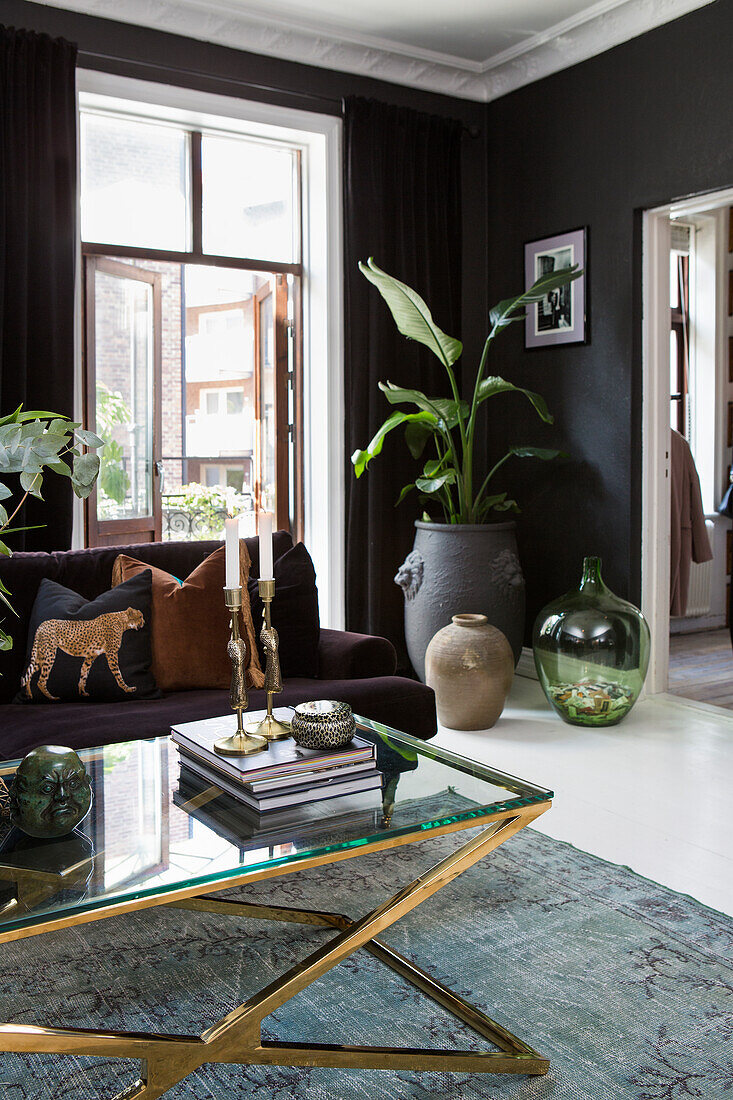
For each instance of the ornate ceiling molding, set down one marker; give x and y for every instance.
(227, 23)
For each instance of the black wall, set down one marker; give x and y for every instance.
(644, 123)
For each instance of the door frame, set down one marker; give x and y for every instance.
(655, 536)
(97, 531)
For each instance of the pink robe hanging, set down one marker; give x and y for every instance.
(689, 536)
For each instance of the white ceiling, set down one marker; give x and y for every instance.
(475, 49)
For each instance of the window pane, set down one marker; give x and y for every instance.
(212, 403)
(268, 442)
(124, 412)
(248, 199)
(674, 284)
(235, 402)
(134, 183)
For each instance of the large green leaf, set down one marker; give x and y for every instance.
(39, 414)
(545, 453)
(411, 315)
(397, 395)
(361, 459)
(504, 312)
(6, 642)
(417, 435)
(442, 408)
(489, 387)
(11, 418)
(4, 492)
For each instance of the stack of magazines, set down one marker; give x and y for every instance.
(286, 775)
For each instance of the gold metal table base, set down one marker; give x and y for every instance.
(236, 1039)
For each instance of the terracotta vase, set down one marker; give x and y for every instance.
(470, 665)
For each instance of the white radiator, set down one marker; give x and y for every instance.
(701, 583)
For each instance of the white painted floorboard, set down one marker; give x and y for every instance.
(654, 793)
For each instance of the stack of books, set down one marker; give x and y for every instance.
(284, 776)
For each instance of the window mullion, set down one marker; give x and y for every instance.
(196, 194)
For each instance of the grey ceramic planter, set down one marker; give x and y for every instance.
(458, 568)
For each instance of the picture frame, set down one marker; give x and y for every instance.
(562, 316)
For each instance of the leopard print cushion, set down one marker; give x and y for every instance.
(98, 651)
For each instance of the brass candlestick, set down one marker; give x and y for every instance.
(240, 743)
(270, 727)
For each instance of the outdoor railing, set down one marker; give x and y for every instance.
(181, 522)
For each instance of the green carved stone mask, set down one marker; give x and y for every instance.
(51, 793)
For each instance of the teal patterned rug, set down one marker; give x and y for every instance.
(626, 986)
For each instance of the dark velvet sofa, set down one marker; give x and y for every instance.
(356, 668)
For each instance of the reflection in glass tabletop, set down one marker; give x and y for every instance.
(151, 835)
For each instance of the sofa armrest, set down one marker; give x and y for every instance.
(343, 655)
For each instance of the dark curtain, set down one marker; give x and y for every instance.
(403, 207)
(38, 250)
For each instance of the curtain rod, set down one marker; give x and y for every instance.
(330, 101)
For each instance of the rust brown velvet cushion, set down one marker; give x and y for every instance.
(190, 628)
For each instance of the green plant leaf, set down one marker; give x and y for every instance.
(84, 474)
(404, 492)
(6, 642)
(5, 550)
(11, 418)
(545, 453)
(416, 437)
(3, 516)
(489, 387)
(430, 485)
(90, 439)
(361, 459)
(411, 315)
(398, 395)
(4, 492)
(31, 481)
(59, 467)
(39, 414)
(503, 312)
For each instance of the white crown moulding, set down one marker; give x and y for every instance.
(228, 23)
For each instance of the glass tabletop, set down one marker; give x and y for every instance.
(151, 832)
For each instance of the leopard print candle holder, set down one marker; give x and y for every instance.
(323, 724)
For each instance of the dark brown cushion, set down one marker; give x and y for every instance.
(294, 612)
(191, 624)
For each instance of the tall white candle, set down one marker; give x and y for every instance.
(265, 532)
(231, 528)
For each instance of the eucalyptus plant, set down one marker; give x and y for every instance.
(449, 478)
(32, 443)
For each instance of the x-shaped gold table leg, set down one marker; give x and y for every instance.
(167, 1059)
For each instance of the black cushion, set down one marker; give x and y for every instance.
(294, 613)
(97, 650)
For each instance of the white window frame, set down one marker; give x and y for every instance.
(319, 137)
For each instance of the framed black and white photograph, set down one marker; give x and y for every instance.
(560, 318)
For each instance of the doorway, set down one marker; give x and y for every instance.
(686, 445)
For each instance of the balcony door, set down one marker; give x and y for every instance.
(123, 400)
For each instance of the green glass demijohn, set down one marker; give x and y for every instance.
(591, 650)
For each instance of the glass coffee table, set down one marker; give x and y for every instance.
(153, 840)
